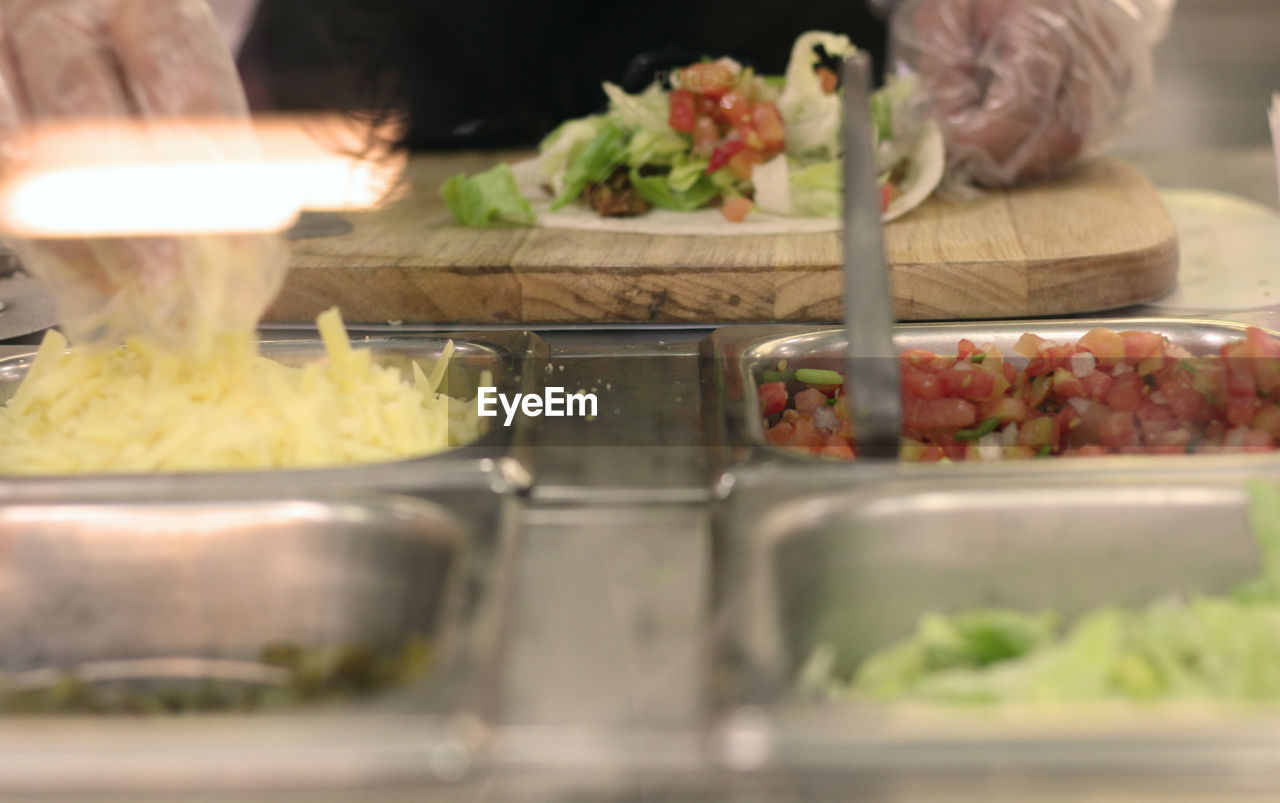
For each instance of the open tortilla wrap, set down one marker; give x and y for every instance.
(923, 174)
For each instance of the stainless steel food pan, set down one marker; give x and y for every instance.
(855, 568)
(733, 359)
(498, 462)
(158, 593)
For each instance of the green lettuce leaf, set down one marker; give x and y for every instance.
(815, 189)
(606, 151)
(646, 111)
(658, 191)
(487, 199)
(563, 145)
(649, 148)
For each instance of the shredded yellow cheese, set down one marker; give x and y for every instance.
(143, 408)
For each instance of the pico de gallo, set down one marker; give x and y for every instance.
(1109, 393)
(716, 134)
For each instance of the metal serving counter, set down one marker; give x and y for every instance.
(636, 589)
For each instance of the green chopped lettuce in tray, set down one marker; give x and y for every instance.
(1195, 648)
(718, 133)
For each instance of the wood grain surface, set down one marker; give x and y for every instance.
(1094, 240)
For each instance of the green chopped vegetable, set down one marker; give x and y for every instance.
(977, 358)
(606, 151)
(658, 190)
(984, 427)
(1186, 647)
(1044, 451)
(776, 376)
(818, 376)
(307, 675)
(487, 199)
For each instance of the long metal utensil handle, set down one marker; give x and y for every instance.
(872, 380)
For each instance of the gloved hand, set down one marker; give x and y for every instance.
(1024, 88)
(142, 60)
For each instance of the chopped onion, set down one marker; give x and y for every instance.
(1158, 397)
(989, 447)
(825, 418)
(1009, 435)
(1122, 368)
(1082, 405)
(1082, 364)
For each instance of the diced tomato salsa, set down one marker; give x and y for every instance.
(1109, 393)
(731, 124)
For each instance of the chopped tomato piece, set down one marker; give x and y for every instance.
(1241, 410)
(827, 80)
(921, 384)
(1068, 385)
(736, 108)
(1096, 384)
(924, 360)
(705, 136)
(1029, 345)
(781, 434)
(809, 400)
(1106, 345)
(735, 209)
(773, 398)
(682, 110)
(972, 385)
(1126, 393)
(767, 121)
(927, 414)
(723, 153)
(1139, 346)
(1116, 429)
(745, 161)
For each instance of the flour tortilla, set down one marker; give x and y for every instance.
(924, 173)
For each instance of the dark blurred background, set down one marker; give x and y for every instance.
(496, 73)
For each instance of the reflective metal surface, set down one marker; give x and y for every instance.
(146, 591)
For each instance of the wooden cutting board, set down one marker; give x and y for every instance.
(1097, 239)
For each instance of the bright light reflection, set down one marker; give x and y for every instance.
(186, 177)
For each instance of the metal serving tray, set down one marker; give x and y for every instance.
(856, 567)
(497, 462)
(734, 357)
(177, 590)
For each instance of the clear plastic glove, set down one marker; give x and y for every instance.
(1025, 88)
(149, 61)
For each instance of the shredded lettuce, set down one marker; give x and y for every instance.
(605, 152)
(815, 189)
(811, 116)
(1186, 648)
(660, 191)
(646, 111)
(564, 145)
(487, 199)
(648, 148)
